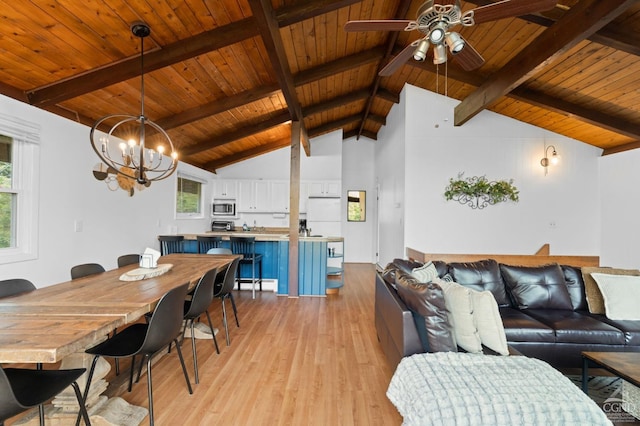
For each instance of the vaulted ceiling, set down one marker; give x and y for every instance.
(226, 78)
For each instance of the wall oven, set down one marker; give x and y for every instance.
(224, 209)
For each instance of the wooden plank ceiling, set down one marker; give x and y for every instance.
(225, 78)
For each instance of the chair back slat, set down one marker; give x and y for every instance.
(243, 245)
(205, 243)
(171, 244)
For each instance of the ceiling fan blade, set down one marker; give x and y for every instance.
(398, 61)
(510, 8)
(468, 58)
(379, 25)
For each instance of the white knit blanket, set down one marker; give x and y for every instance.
(468, 389)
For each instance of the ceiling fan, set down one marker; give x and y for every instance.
(435, 20)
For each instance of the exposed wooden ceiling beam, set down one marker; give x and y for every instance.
(607, 36)
(217, 107)
(339, 65)
(129, 68)
(401, 12)
(212, 166)
(582, 20)
(336, 102)
(342, 122)
(215, 39)
(268, 27)
(309, 9)
(264, 123)
(353, 133)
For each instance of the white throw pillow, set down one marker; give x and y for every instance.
(459, 303)
(486, 317)
(621, 294)
(425, 273)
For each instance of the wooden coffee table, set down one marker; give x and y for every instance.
(625, 365)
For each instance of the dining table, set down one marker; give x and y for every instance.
(49, 323)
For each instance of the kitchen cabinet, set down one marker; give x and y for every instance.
(331, 188)
(254, 196)
(280, 196)
(225, 189)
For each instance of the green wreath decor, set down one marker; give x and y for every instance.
(478, 192)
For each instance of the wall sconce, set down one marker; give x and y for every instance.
(546, 161)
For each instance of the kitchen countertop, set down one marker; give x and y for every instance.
(263, 235)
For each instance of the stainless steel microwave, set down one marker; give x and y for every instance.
(224, 209)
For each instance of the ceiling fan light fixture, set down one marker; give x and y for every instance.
(421, 51)
(436, 36)
(439, 54)
(455, 42)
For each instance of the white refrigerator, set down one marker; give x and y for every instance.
(324, 216)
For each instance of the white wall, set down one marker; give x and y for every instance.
(559, 209)
(112, 222)
(390, 181)
(620, 203)
(358, 175)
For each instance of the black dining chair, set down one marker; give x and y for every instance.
(128, 259)
(223, 289)
(206, 242)
(85, 269)
(146, 339)
(171, 244)
(15, 286)
(246, 246)
(198, 305)
(22, 389)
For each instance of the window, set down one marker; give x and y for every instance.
(189, 200)
(8, 195)
(19, 165)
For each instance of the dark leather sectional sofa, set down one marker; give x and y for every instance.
(539, 320)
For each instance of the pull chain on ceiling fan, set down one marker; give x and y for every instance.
(435, 21)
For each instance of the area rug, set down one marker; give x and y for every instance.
(606, 391)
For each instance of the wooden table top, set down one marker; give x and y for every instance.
(51, 322)
(623, 364)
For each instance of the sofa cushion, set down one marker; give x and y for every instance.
(486, 317)
(481, 275)
(459, 303)
(621, 294)
(594, 297)
(405, 265)
(426, 302)
(630, 329)
(520, 327)
(578, 327)
(425, 273)
(537, 286)
(575, 286)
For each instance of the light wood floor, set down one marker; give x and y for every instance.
(305, 361)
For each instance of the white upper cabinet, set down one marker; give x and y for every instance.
(254, 196)
(329, 188)
(225, 189)
(280, 196)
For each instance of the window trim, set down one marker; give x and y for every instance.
(203, 188)
(26, 184)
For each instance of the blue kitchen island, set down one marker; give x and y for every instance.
(319, 260)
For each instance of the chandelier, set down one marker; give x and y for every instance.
(135, 151)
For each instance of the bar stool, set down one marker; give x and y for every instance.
(246, 246)
(207, 242)
(170, 244)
